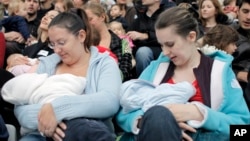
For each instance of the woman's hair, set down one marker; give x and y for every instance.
(67, 4)
(97, 9)
(180, 18)
(96, 37)
(220, 36)
(220, 17)
(74, 21)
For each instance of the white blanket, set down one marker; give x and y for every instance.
(31, 88)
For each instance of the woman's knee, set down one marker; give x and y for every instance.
(157, 111)
(143, 52)
(87, 129)
(159, 117)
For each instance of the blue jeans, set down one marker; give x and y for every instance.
(204, 135)
(158, 124)
(144, 55)
(79, 129)
(82, 129)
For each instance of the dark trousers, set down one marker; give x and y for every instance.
(158, 124)
(6, 109)
(79, 129)
(82, 129)
(3, 130)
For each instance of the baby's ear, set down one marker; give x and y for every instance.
(16, 12)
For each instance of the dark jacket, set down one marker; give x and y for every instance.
(33, 26)
(145, 24)
(241, 60)
(124, 59)
(38, 50)
(16, 23)
(241, 56)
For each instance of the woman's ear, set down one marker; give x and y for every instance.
(82, 35)
(192, 36)
(103, 17)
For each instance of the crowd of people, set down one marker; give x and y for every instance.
(124, 70)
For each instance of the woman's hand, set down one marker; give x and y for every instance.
(59, 132)
(14, 36)
(186, 127)
(47, 122)
(185, 112)
(134, 35)
(31, 40)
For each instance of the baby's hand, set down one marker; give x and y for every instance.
(32, 62)
(31, 40)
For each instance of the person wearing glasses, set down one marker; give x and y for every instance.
(87, 116)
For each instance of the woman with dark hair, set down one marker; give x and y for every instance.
(86, 116)
(208, 114)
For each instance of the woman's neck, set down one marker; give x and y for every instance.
(44, 36)
(105, 37)
(211, 22)
(78, 68)
(193, 62)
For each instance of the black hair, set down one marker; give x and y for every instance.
(180, 18)
(74, 21)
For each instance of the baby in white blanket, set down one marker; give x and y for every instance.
(42, 88)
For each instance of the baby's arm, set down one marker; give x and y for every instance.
(12, 58)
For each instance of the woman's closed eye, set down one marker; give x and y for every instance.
(59, 44)
(168, 44)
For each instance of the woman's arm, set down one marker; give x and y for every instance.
(100, 101)
(233, 109)
(27, 115)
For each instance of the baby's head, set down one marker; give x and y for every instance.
(17, 7)
(117, 28)
(222, 37)
(13, 57)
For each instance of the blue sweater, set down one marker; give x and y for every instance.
(100, 99)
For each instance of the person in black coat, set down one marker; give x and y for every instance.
(142, 32)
